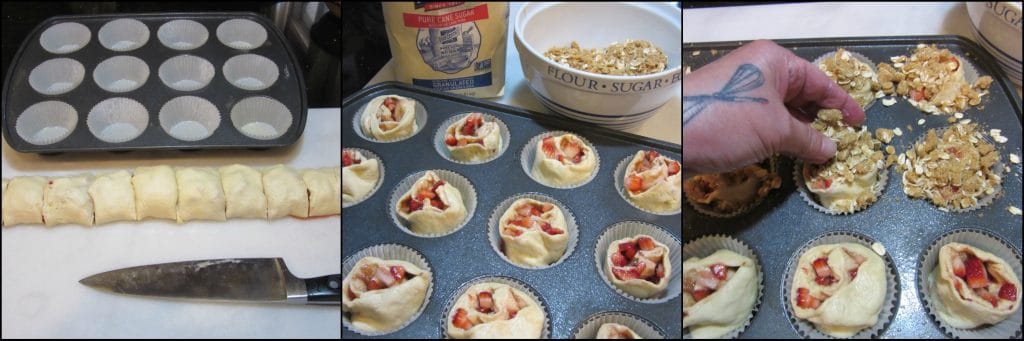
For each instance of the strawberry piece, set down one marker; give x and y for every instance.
(825, 280)
(461, 320)
(521, 221)
(351, 295)
(618, 259)
(546, 207)
(988, 296)
(450, 140)
(390, 103)
(651, 155)
(347, 159)
(534, 210)
(976, 274)
(625, 275)
(398, 273)
(660, 271)
(415, 205)
(548, 147)
(577, 158)
(917, 95)
(571, 148)
(424, 193)
(673, 168)
(1008, 292)
(853, 274)
(627, 249)
(485, 304)
(513, 231)
(645, 243)
(823, 183)
(524, 211)
(437, 203)
(706, 279)
(719, 270)
(634, 183)
(701, 294)
(437, 184)
(805, 300)
(550, 230)
(821, 267)
(959, 269)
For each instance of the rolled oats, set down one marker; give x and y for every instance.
(631, 58)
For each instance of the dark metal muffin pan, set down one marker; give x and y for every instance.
(783, 222)
(573, 289)
(288, 89)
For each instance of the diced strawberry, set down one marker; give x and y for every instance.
(534, 210)
(651, 155)
(805, 300)
(577, 158)
(822, 184)
(450, 140)
(618, 259)
(415, 205)
(512, 231)
(424, 193)
(853, 274)
(398, 273)
(821, 267)
(634, 183)
(959, 268)
(627, 249)
(521, 221)
(351, 295)
(347, 159)
(701, 294)
(570, 148)
(375, 284)
(546, 207)
(548, 146)
(437, 203)
(485, 304)
(673, 168)
(660, 271)
(988, 296)
(645, 243)
(825, 280)
(1008, 292)
(468, 129)
(624, 275)
(917, 95)
(550, 230)
(461, 320)
(437, 184)
(976, 274)
(390, 103)
(706, 279)
(524, 211)
(719, 270)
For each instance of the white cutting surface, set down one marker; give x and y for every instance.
(41, 266)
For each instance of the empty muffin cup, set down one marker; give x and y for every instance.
(117, 120)
(242, 34)
(182, 34)
(250, 72)
(65, 38)
(123, 35)
(189, 118)
(121, 73)
(56, 76)
(186, 73)
(46, 122)
(261, 117)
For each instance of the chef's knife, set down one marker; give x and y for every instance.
(238, 279)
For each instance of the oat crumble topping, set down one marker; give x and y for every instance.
(953, 171)
(632, 58)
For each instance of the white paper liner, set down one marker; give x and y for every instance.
(420, 118)
(811, 198)
(56, 76)
(860, 58)
(885, 316)
(117, 120)
(182, 34)
(494, 233)
(619, 174)
(242, 34)
(442, 148)
(629, 229)
(465, 187)
(527, 156)
(772, 166)
(512, 282)
(984, 240)
(65, 37)
(189, 118)
(997, 169)
(707, 245)
(121, 73)
(186, 72)
(46, 122)
(587, 329)
(389, 252)
(250, 72)
(380, 174)
(123, 35)
(261, 117)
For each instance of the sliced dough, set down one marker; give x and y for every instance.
(616, 331)
(243, 192)
(285, 191)
(386, 308)
(963, 307)
(528, 322)
(324, 191)
(429, 218)
(853, 302)
(639, 287)
(533, 246)
(199, 194)
(360, 178)
(380, 122)
(564, 172)
(729, 305)
(156, 192)
(484, 141)
(67, 201)
(23, 204)
(113, 197)
(662, 190)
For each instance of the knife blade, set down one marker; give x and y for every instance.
(234, 279)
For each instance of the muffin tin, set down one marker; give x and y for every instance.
(117, 82)
(573, 289)
(777, 227)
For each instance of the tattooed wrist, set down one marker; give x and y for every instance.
(747, 78)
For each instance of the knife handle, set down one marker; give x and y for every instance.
(324, 289)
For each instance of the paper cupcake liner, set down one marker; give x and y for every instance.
(389, 252)
(465, 187)
(250, 72)
(997, 169)
(527, 156)
(982, 239)
(65, 37)
(885, 316)
(587, 329)
(772, 165)
(121, 74)
(117, 120)
(494, 234)
(189, 118)
(46, 122)
(512, 282)
(123, 35)
(631, 229)
(442, 148)
(420, 118)
(380, 174)
(261, 117)
(707, 245)
(182, 34)
(811, 198)
(241, 34)
(860, 58)
(56, 76)
(186, 72)
(619, 174)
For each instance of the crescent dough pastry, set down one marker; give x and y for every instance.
(431, 205)
(839, 287)
(616, 331)
(113, 197)
(381, 295)
(156, 192)
(324, 191)
(495, 311)
(718, 294)
(972, 287)
(389, 117)
(285, 191)
(533, 232)
(563, 160)
(23, 203)
(243, 192)
(359, 176)
(639, 266)
(66, 200)
(654, 182)
(200, 195)
(472, 139)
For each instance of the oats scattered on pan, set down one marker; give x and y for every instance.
(933, 81)
(1013, 210)
(854, 76)
(953, 171)
(632, 58)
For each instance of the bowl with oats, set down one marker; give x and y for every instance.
(609, 64)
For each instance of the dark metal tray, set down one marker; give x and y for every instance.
(783, 222)
(289, 89)
(572, 290)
